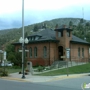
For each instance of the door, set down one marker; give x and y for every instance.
(60, 52)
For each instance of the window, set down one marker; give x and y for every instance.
(35, 52)
(62, 34)
(33, 38)
(83, 52)
(30, 38)
(36, 38)
(30, 52)
(59, 34)
(79, 52)
(45, 51)
(68, 34)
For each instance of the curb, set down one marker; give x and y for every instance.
(14, 79)
(66, 77)
(55, 78)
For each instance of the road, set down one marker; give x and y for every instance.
(71, 83)
(66, 84)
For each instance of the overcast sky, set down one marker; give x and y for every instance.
(41, 10)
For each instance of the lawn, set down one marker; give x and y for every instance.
(72, 70)
(12, 69)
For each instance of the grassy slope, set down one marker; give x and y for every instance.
(72, 70)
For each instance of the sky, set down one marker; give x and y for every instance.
(36, 11)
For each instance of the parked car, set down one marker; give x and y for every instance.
(7, 64)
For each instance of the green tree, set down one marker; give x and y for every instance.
(44, 26)
(35, 29)
(26, 34)
(18, 59)
(70, 23)
(56, 26)
(10, 49)
(14, 57)
(87, 24)
(81, 20)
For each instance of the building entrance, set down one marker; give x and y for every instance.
(60, 52)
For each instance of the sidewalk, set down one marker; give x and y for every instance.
(34, 78)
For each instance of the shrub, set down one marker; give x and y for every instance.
(41, 68)
(20, 72)
(26, 70)
(1, 70)
(3, 73)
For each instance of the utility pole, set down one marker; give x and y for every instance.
(83, 22)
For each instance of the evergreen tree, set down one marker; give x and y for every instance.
(56, 26)
(14, 57)
(81, 20)
(35, 29)
(70, 23)
(44, 26)
(26, 34)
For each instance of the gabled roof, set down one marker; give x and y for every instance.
(35, 34)
(49, 35)
(78, 40)
(45, 35)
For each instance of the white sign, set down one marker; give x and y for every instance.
(25, 50)
(68, 54)
(63, 56)
(67, 49)
(89, 50)
(4, 55)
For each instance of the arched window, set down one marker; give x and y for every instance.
(82, 52)
(30, 52)
(45, 51)
(35, 51)
(79, 52)
(68, 34)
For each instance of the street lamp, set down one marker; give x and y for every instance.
(23, 41)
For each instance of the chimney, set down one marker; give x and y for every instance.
(64, 26)
(56, 27)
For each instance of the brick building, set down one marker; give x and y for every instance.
(48, 45)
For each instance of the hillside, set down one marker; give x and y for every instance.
(80, 29)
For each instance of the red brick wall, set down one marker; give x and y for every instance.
(64, 41)
(51, 53)
(74, 52)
